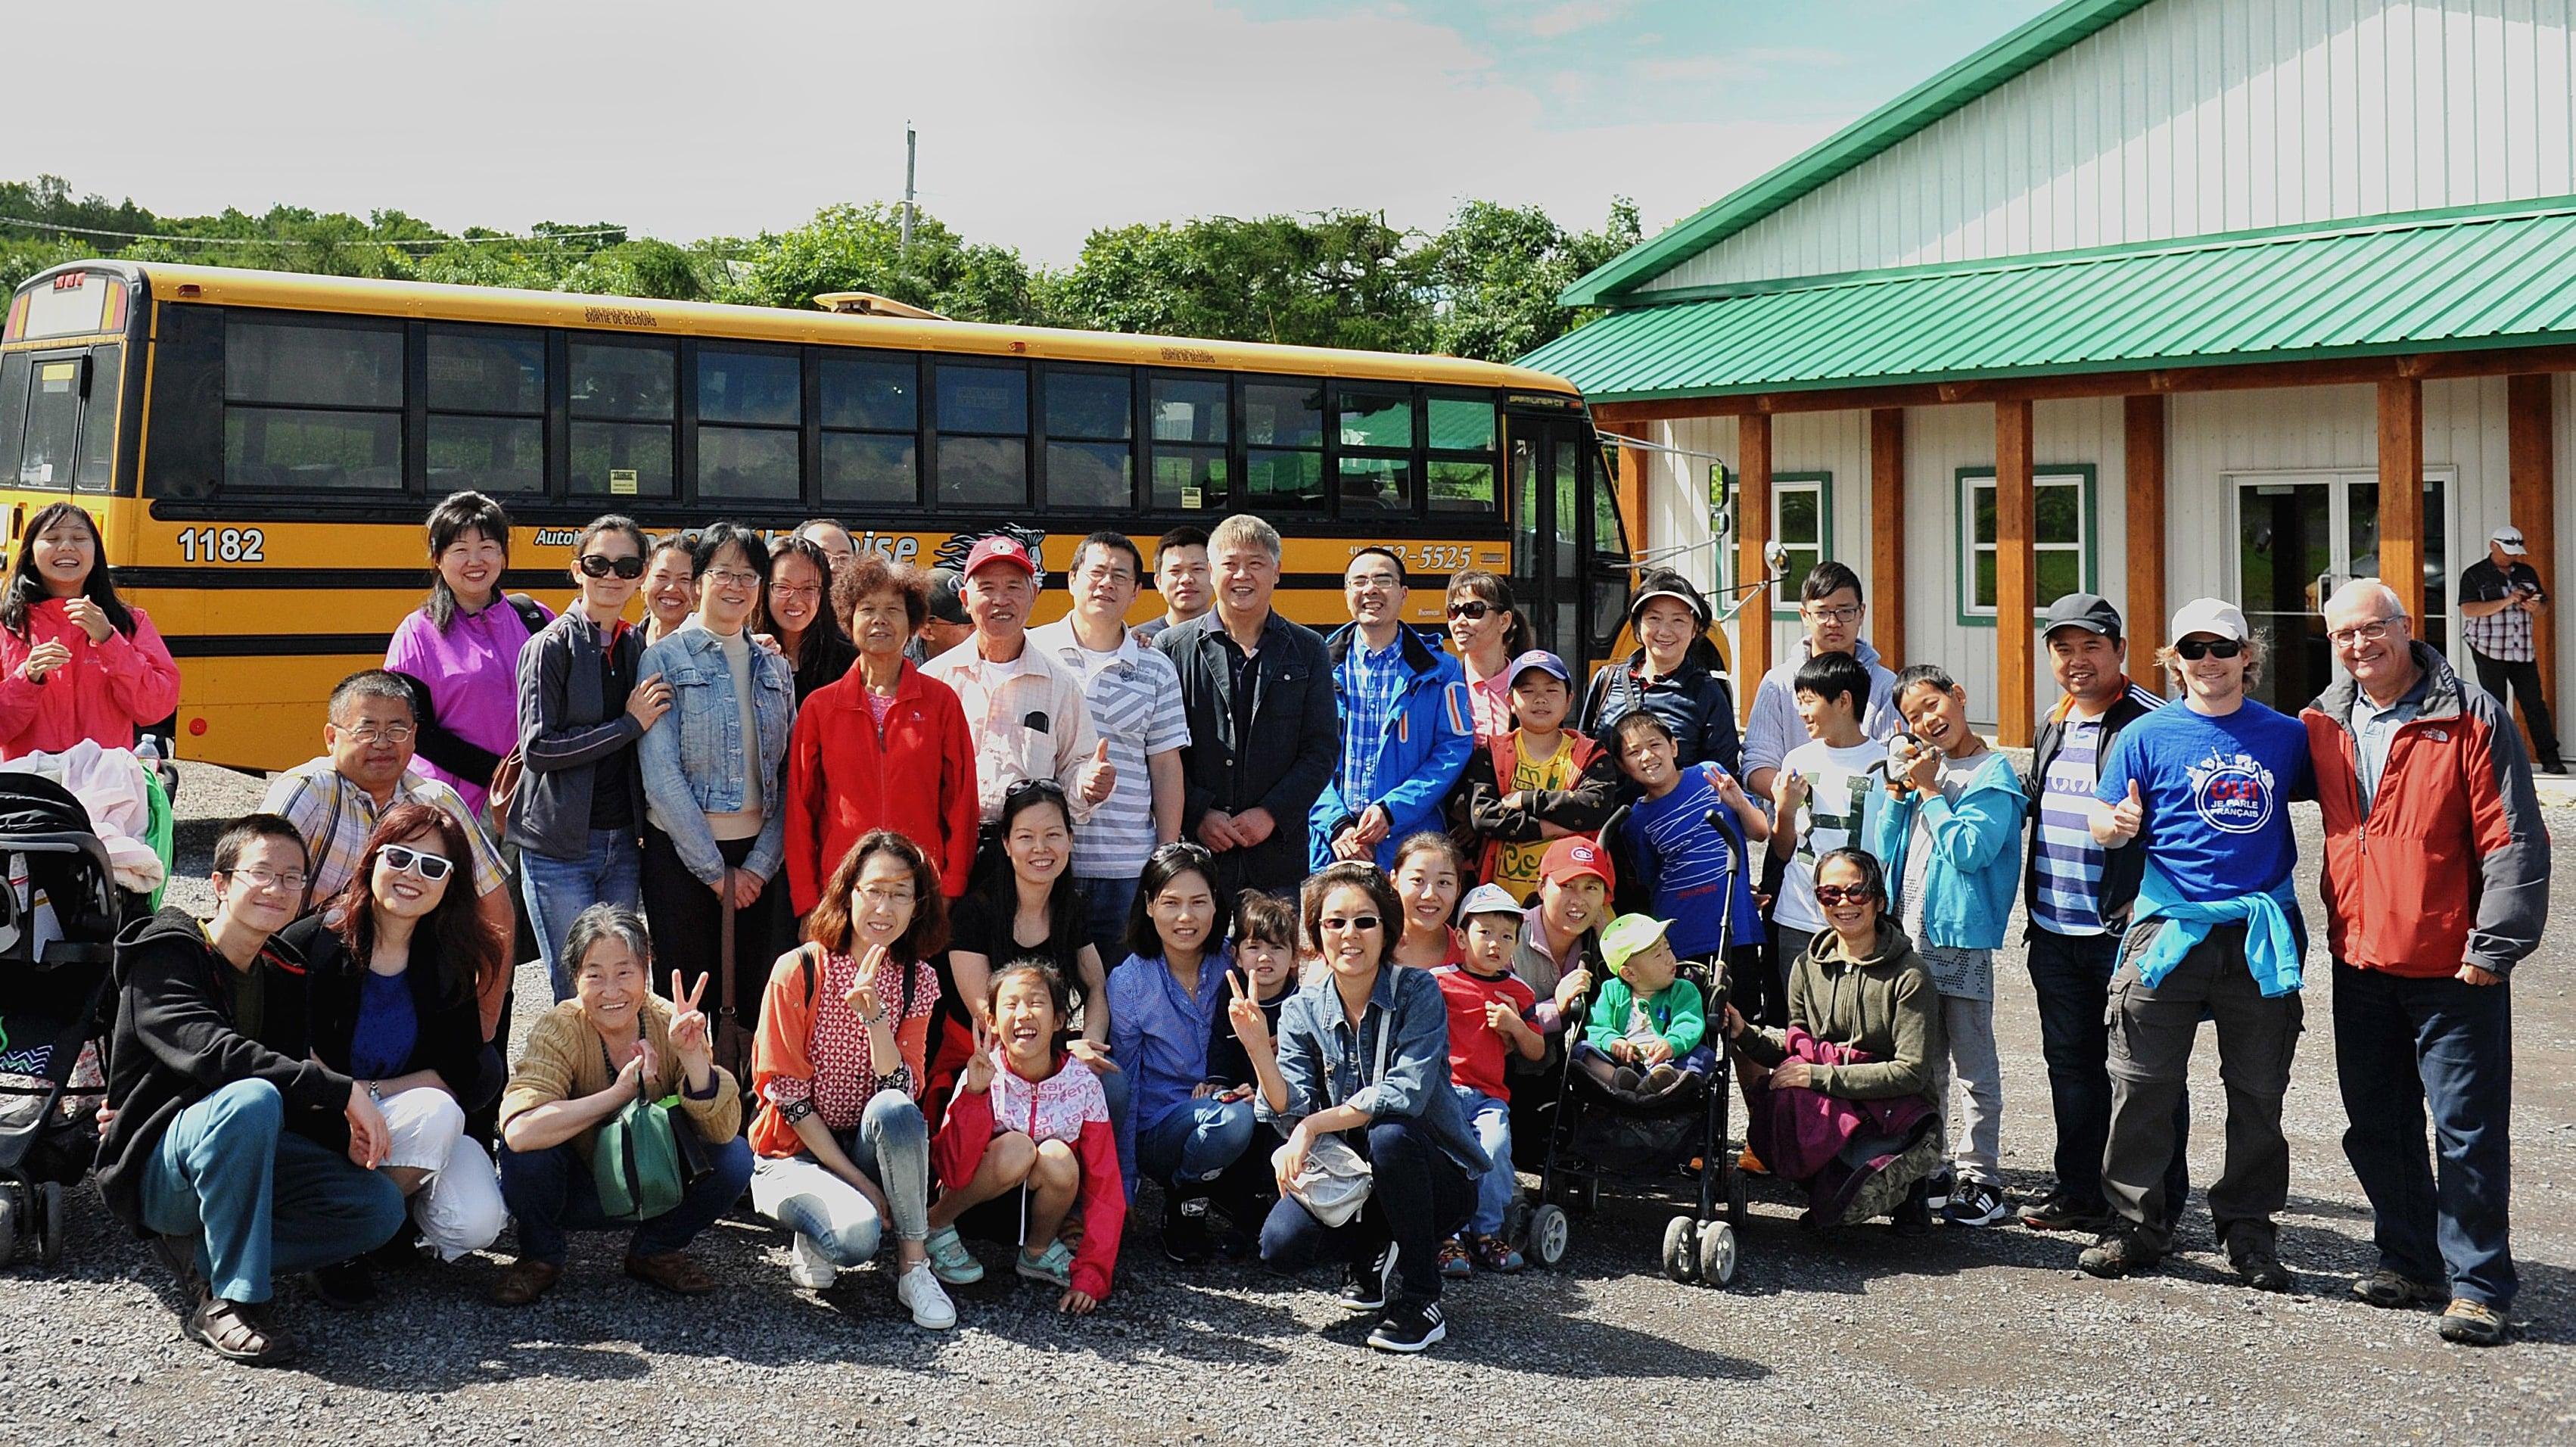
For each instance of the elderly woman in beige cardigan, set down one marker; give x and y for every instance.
(585, 1060)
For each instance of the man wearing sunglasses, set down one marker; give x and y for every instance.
(2204, 790)
(2436, 885)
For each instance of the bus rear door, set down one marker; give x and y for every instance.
(1569, 553)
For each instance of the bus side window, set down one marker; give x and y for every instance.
(13, 409)
(99, 419)
(186, 405)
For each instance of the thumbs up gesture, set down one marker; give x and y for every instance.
(1099, 776)
(2121, 822)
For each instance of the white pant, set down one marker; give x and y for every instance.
(458, 1209)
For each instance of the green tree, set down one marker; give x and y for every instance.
(1341, 279)
(860, 248)
(1499, 270)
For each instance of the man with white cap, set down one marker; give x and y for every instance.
(2500, 595)
(1025, 711)
(2204, 790)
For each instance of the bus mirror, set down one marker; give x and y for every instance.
(1720, 522)
(1721, 487)
(1775, 560)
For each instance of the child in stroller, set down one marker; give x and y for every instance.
(1647, 1036)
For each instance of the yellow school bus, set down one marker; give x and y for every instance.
(260, 450)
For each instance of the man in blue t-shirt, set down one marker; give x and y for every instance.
(2204, 790)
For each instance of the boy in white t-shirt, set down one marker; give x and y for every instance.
(1827, 796)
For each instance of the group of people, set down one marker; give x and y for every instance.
(958, 931)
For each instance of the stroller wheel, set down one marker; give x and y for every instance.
(1681, 1248)
(1717, 1253)
(1549, 1234)
(12, 1211)
(49, 1231)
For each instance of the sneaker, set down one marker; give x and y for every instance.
(1627, 1078)
(808, 1267)
(2064, 1213)
(344, 1287)
(2469, 1323)
(1975, 1204)
(1185, 1233)
(1493, 1253)
(918, 1289)
(1913, 1216)
(1411, 1327)
(2393, 1289)
(2251, 1254)
(1663, 1077)
(1053, 1266)
(1453, 1259)
(950, 1260)
(2119, 1253)
(1370, 1286)
(1937, 1188)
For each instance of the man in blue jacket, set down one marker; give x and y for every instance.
(1406, 726)
(1951, 840)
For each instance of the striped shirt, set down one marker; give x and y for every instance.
(2070, 863)
(1134, 694)
(1371, 685)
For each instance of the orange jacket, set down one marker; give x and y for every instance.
(845, 778)
(784, 1045)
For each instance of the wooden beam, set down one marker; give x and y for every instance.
(2401, 491)
(2531, 458)
(2329, 372)
(1752, 531)
(1887, 533)
(2143, 433)
(2016, 574)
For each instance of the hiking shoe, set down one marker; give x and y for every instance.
(2064, 1213)
(1975, 1204)
(2255, 1262)
(2119, 1253)
(1938, 1187)
(344, 1287)
(918, 1289)
(1053, 1266)
(808, 1267)
(2469, 1323)
(1453, 1259)
(1186, 1241)
(1370, 1286)
(1493, 1253)
(1411, 1327)
(1913, 1216)
(950, 1261)
(2393, 1289)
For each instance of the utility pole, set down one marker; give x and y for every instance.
(903, 249)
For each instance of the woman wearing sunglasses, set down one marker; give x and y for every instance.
(390, 991)
(1487, 633)
(1364, 1053)
(581, 711)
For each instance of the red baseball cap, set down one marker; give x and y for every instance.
(999, 548)
(1573, 855)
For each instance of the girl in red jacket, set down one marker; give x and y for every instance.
(76, 661)
(1028, 1115)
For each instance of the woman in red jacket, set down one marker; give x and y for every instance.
(76, 661)
(883, 748)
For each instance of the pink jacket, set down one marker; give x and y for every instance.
(105, 692)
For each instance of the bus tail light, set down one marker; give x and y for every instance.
(17, 319)
(196, 728)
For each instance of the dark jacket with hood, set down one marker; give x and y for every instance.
(1883, 1005)
(175, 1042)
(1694, 701)
(451, 1027)
(1483, 821)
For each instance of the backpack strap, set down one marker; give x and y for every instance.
(530, 611)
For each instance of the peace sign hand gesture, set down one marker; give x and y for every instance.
(862, 996)
(978, 1076)
(1251, 1023)
(689, 1038)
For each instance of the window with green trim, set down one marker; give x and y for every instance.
(2062, 539)
(1802, 523)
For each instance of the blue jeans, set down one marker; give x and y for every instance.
(892, 1148)
(1491, 1120)
(1194, 1142)
(1418, 1198)
(557, 890)
(2070, 977)
(259, 1198)
(551, 1192)
(2400, 1045)
(1106, 902)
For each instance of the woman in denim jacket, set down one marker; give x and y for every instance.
(714, 826)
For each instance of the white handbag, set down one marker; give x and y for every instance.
(1335, 1181)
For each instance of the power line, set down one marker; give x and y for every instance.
(304, 241)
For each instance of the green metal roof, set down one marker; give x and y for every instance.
(2034, 42)
(2454, 280)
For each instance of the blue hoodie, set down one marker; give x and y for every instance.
(1422, 753)
(1976, 855)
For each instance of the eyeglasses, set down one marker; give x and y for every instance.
(1823, 614)
(1471, 610)
(1830, 895)
(733, 578)
(370, 735)
(595, 565)
(2196, 649)
(432, 867)
(875, 895)
(1376, 580)
(791, 592)
(1355, 922)
(2360, 633)
(292, 882)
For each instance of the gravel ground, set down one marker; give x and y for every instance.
(1964, 1336)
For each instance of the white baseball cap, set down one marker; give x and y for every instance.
(2511, 537)
(2210, 615)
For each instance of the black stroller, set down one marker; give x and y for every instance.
(60, 911)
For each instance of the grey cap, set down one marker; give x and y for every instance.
(2088, 611)
(945, 605)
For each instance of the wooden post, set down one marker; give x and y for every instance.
(1633, 462)
(2016, 574)
(2531, 458)
(2401, 491)
(1887, 533)
(2143, 431)
(1752, 531)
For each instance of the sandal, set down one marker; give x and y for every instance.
(233, 1330)
(673, 1271)
(524, 1280)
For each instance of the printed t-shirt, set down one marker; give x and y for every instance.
(1516, 866)
(1844, 795)
(2216, 793)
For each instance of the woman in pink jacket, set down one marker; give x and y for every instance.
(76, 661)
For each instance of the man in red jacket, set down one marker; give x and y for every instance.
(2436, 883)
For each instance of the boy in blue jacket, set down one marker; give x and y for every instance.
(1951, 841)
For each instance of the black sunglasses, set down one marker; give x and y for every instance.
(2197, 649)
(593, 565)
(1032, 786)
(1473, 608)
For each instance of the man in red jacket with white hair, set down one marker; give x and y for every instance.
(2436, 884)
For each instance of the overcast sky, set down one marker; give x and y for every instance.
(1038, 121)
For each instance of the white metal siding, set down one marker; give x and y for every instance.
(2199, 116)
